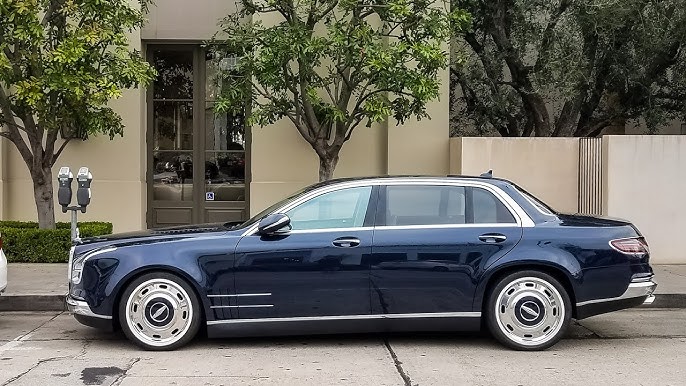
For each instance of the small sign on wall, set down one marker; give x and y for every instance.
(209, 196)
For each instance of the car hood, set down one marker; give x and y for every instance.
(153, 235)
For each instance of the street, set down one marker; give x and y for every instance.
(638, 346)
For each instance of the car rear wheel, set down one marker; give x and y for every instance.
(528, 310)
(159, 311)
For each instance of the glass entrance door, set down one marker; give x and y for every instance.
(196, 158)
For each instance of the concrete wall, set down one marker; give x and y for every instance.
(546, 167)
(644, 180)
(185, 20)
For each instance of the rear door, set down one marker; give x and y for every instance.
(429, 242)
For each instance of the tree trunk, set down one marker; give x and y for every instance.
(42, 192)
(327, 165)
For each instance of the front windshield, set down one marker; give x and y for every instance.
(267, 211)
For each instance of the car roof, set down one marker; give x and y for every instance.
(449, 178)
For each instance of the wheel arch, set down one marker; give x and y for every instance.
(128, 279)
(491, 278)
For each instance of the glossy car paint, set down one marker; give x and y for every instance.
(300, 282)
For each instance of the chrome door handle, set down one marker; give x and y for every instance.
(346, 242)
(492, 238)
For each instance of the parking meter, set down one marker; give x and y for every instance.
(83, 193)
(64, 193)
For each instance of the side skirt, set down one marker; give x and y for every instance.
(445, 321)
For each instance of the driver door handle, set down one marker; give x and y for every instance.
(493, 238)
(346, 242)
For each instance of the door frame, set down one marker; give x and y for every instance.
(198, 205)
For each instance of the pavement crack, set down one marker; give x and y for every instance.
(40, 362)
(84, 349)
(398, 364)
(121, 376)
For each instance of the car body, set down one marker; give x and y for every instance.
(366, 255)
(3, 268)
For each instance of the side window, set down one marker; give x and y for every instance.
(343, 208)
(488, 209)
(438, 205)
(425, 205)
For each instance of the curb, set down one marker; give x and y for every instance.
(32, 302)
(668, 301)
(56, 302)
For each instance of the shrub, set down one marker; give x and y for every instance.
(23, 242)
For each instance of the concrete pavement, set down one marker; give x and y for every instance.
(42, 287)
(631, 347)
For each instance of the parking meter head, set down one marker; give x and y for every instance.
(64, 192)
(83, 193)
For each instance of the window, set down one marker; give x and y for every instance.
(345, 208)
(488, 209)
(438, 205)
(423, 205)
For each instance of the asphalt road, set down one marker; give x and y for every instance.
(632, 347)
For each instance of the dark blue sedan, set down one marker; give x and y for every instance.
(367, 255)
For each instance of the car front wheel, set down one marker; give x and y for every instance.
(159, 311)
(528, 310)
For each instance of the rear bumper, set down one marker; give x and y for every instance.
(640, 291)
(3, 271)
(82, 312)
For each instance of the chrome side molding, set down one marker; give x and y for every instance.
(350, 317)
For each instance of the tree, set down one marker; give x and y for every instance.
(61, 62)
(569, 67)
(330, 65)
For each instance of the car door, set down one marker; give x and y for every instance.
(319, 268)
(429, 242)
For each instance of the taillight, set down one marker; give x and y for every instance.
(631, 245)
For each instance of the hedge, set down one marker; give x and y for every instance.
(23, 242)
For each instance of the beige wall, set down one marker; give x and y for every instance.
(118, 167)
(185, 20)
(546, 167)
(645, 182)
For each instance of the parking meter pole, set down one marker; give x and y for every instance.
(74, 226)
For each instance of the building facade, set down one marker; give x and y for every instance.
(180, 163)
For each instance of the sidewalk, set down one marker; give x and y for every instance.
(42, 287)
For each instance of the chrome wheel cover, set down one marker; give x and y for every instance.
(529, 311)
(159, 312)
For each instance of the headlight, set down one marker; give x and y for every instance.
(77, 264)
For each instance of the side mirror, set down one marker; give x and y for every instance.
(274, 224)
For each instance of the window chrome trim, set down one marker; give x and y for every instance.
(447, 226)
(517, 211)
(350, 317)
(324, 230)
(239, 295)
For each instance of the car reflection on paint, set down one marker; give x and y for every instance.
(367, 255)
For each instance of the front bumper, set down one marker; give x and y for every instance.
(640, 291)
(82, 312)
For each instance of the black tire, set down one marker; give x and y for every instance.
(172, 314)
(524, 310)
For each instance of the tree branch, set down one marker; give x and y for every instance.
(59, 152)
(547, 38)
